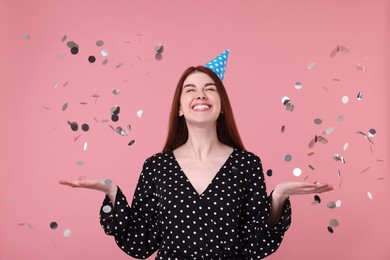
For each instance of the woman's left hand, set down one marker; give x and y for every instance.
(287, 189)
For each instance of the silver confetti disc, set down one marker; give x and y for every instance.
(26, 36)
(99, 43)
(333, 223)
(159, 48)
(107, 209)
(297, 172)
(317, 121)
(116, 91)
(67, 233)
(371, 132)
(331, 204)
(140, 113)
(287, 157)
(298, 85)
(108, 181)
(328, 131)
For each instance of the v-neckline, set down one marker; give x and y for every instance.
(212, 180)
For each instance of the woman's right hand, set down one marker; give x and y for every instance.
(104, 185)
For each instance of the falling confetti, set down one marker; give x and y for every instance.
(85, 127)
(310, 66)
(297, 172)
(269, 172)
(116, 92)
(318, 121)
(91, 59)
(334, 223)
(67, 233)
(85, 146)
(53, 225)
(369, 195)
(131, 142)
(298, 85)
(80, 163)
(331, 204)
(345, 99)
(107, 209)
(99, 43)
(283, 128)
(104, 53)
(26, 36)
(140, 113)
(287, 157)
(107, 181)
(65, 106)
(359, 96)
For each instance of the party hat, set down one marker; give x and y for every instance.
(218, 65)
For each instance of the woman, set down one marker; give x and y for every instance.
(204, 195)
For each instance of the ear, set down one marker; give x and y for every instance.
(180, 111)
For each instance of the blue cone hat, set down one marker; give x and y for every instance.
(218, 64)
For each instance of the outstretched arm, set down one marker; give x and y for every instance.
(104, 185)
(284, 190)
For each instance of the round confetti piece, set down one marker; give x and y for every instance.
(371, 132)
(369, 195)
(317, 199)
(310, 66)
(108, 181)
(269, 172)
(317, 121)
(333, 223)
(338, 203)
(63, 39)
(359, 96)
(340, 118)
(104, 53)
(53, 225)
(74, 50)
(116, 91)
(298, 85)
(345, 147)
(99, 43)
(285, 100)
(140, 113)
(72, 44)
(119, 65)
(85, 146)
(331, 204)
(74, 126)
(287, 157)
(115, 110)
(330, 229)
(159, 48)
(85, 127)
(105, 61)
(67, 233)
(107, 209)
(311, 167)
(283, 128)
(114, 118)
(158, 56)
(26, 36)
(297, 172)
(345, 99)
(131, 142)
(91, 59)
(80, 163)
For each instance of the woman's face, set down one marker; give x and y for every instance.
(200, 102)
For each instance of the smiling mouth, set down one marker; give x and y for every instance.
(201, 107)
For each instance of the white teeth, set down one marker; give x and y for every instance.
(201, 107)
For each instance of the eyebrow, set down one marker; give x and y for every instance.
(193, 85)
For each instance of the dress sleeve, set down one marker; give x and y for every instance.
(135, 228)
(260, 239)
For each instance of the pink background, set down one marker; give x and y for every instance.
(271, 43)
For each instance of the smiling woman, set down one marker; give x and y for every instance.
(204, 196)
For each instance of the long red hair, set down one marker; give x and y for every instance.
(226, 126)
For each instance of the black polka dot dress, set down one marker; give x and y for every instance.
(226, 221)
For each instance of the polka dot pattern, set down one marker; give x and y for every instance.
(218, 65)
(226, 221)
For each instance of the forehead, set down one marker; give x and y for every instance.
(198, 78)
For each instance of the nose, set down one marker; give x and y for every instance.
(201, 96)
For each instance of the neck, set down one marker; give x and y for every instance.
(202, 142)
